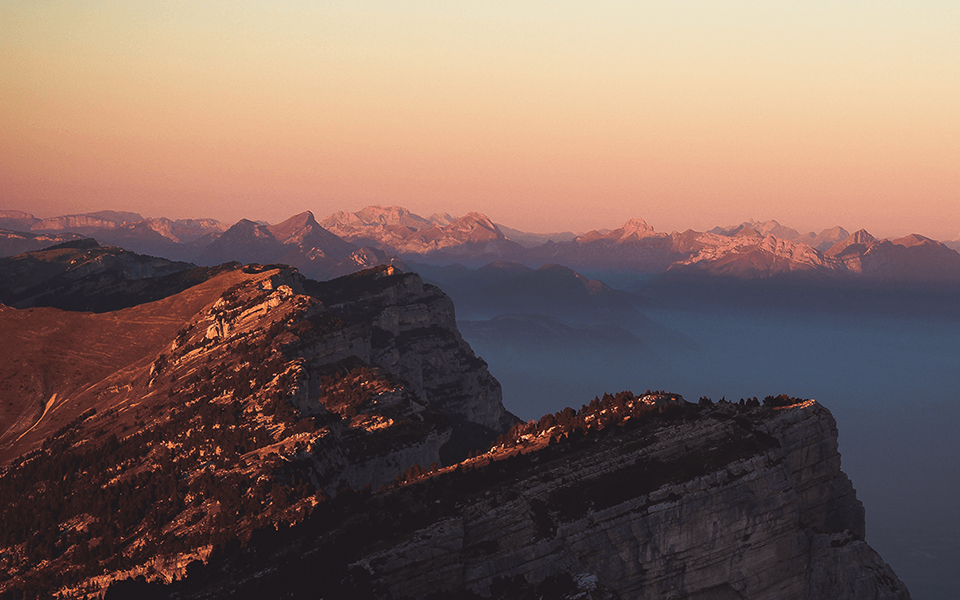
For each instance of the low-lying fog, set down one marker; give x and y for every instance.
(893, 384)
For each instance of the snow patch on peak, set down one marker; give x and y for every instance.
(637, 227)
(752, 255)
(477, 226)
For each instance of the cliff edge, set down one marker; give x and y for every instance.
(647, 497)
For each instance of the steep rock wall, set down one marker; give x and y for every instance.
(779, 520)
(408, 328)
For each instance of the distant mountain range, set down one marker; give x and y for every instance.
(345, 242)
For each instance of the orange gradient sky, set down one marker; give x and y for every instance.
(543, 115)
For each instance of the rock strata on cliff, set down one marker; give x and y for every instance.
(639, 498)
(408, 328)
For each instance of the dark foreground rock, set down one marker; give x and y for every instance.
(644, 497)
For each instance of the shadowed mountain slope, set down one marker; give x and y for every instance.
(81, 275)
(17, 242)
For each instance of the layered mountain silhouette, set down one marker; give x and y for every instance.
(345, 242)
(555, 291)
(18, 242)
(174, 239)
(299, 241)
(532, 240)
(910, 258)
(81, 275)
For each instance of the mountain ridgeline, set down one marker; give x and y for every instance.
(254, 433)
(345, 242)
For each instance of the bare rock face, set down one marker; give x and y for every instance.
(406, 327)
(778, 519)
(643, 498)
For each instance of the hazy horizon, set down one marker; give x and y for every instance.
(891, 234)
(572, 116)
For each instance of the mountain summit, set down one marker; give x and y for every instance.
(305, 241)
(473, 237)
(632, 231)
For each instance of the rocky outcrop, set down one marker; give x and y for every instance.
(398, 323)
(775, 519)
(639, 498)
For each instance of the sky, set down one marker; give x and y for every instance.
(546, 116)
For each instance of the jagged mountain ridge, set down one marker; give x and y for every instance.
(299, 241)
(821, 241)
(386, 234)
(440, 238)
(860, 256)
(910, 258)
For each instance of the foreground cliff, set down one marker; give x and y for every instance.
(646, 497)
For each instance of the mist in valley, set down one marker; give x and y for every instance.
(888, 369)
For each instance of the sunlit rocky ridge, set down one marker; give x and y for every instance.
(360, 381)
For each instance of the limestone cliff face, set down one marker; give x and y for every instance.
(388, 338)
(278, 395)
(409, 328)
(640, 498)
(734, 504)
